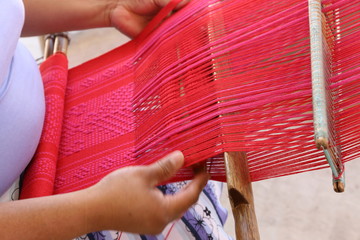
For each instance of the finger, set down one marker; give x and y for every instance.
(165, 168)
(129, 23)
(179, 203)
(182, 4)
(163, 3)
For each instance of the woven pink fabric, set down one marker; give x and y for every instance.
(40, 174)
(216, 76)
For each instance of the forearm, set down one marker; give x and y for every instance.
(61, 217)
(50, 16)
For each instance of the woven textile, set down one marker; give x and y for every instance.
(216, 76)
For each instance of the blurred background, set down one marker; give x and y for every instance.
(296, 207)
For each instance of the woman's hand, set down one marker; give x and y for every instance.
(131, 16)
(128, 199)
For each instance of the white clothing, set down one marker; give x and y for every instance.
(22, 103)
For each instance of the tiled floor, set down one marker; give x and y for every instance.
(297, 207)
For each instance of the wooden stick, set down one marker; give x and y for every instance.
(241, 196)
(48, 46)
(61, 43)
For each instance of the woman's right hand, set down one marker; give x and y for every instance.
(128, 200)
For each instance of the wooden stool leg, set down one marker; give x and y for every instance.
(241, 196)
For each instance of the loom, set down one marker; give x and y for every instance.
(248, 83)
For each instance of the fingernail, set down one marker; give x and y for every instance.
(177, 152)
(176, 156)
(207, 179)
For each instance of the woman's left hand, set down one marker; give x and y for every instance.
(131, 16)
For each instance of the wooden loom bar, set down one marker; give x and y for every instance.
(320, 91)
(241, 196)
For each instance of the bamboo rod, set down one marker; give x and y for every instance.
(61, 43)
(241, 196)
(48, 46)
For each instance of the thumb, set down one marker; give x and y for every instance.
(165, 168)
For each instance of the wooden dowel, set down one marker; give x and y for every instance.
(48, 46)
(241, 196)
(61, 43)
